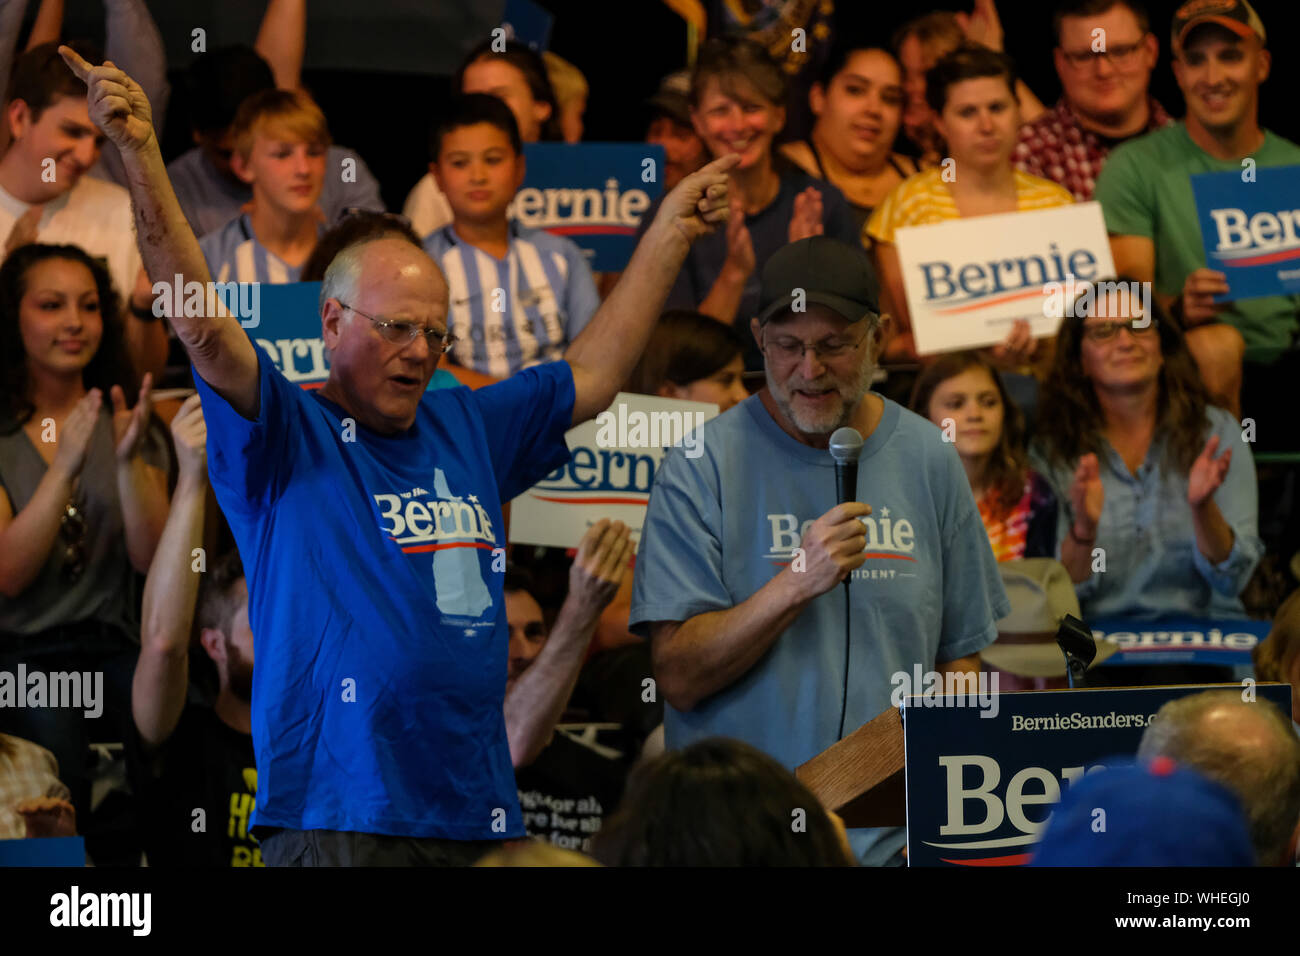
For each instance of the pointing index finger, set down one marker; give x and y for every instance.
(75, 62)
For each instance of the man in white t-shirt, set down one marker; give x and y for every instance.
(45, 195)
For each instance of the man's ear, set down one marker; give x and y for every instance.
(881, 335)
(239, 166)
(757, 329)
(817, 98)
(331, 323)
(19, 118)
(669, 390)
(437, 176)
(214, 642)
(1264, 64)
(542, 111)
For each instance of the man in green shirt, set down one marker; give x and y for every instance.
(1145, 190)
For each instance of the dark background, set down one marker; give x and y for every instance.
(380, 67)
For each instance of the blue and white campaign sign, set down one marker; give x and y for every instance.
(528, 23)
(980, 790)
(611, 471)
(592, 193)
(1221, 641)
(288, 330)
(1251, 230)
(967, 281)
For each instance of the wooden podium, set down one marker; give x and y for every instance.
(861, 777)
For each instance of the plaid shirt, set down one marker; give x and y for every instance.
(1056, 147)
(27, 770)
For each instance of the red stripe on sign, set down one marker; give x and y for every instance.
(421, 548)
(1264, 259)
(593, 501)
(985, 303)
(1017, 859)
(592, 230)
(312, 384)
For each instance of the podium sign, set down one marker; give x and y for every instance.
(980, 789)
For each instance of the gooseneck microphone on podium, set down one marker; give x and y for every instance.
(846, 446)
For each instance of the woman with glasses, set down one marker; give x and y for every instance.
(1178, 530)
(83, 502)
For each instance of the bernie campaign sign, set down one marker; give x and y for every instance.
(1220, 641)
(967, 281)
(1251, 230)
(611, 471)
(285, 323)
(592, 193)
(980, 790)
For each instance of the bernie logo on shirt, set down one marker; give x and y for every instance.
(889, 538)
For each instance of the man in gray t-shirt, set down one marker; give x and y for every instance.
(744, 546)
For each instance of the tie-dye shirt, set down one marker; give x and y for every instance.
(1028, 529)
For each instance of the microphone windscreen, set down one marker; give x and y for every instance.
(846, 444)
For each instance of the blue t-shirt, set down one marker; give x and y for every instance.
(722, 525)
(379, 686)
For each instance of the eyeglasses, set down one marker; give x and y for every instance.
(1117, 55)
(404, 333)
(1105, 331)
(792, 350)
(72, 529)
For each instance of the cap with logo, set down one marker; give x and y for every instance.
(673, 98)
(1235, 15)
(820, 270)
(1155, 814)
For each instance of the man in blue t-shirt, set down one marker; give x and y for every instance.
(744, 547)
(368, 516)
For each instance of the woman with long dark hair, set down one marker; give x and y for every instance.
(1178, 530)
(83, 498)
(858, 102)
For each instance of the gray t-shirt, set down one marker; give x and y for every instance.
(107, 589)
(722, 525)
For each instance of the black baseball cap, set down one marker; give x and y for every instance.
(828, 272)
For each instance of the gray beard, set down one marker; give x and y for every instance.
(858, 388)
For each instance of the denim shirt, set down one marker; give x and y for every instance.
(1152, 564)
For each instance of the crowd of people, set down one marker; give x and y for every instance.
(169, 500)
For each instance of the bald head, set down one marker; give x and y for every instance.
(1249, 747)
(372, 293)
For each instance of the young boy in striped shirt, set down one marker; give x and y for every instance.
(519, 296)
(281, 142)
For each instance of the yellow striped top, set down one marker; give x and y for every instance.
(925, 198)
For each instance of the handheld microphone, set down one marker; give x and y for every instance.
(846, 446)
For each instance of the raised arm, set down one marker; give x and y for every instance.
(603, 356)
(48, 25)
(171, 589)
(538, 698)
(282, 40)
(220, 350)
